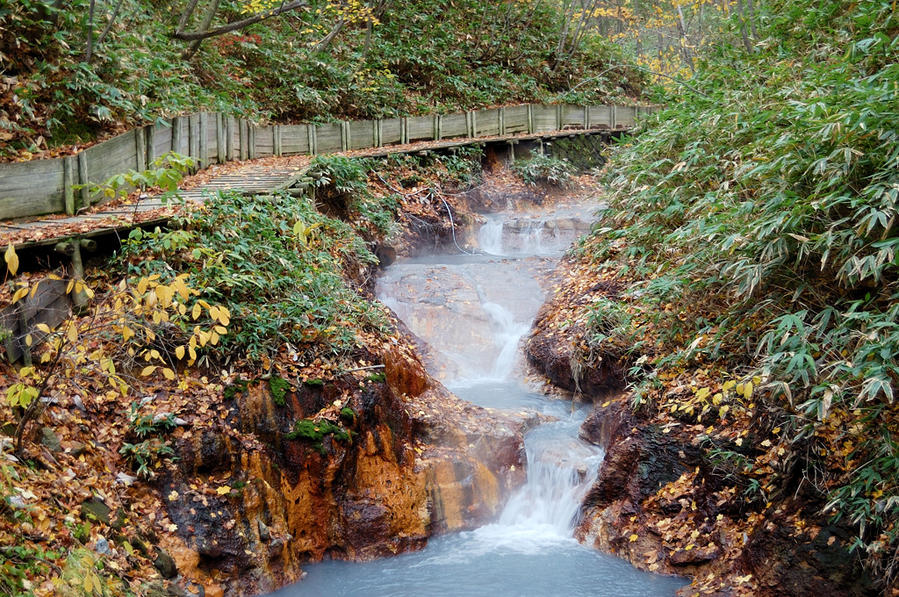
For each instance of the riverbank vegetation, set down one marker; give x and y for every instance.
(753, 228)
(272, 291)
(75, 70)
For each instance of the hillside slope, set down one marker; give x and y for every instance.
(331, 59)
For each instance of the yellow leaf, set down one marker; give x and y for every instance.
(168, 373)
(196, 311)
(633, 538)
(28, 340)
(21, 292)
(223, 490)
(127, 333)
(72, 333)
(148, 370)
(142, 285)
(12, 260)
(179, 352)
(43, 327)
(747, 390)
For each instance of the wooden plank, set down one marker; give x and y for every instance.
(363, 134)
(178, 143)
(83, 179)
(391, 131)
(203, 139)
(572, 117)
(328, 137)
(68, 178)
(162, 139)
(228, 123)
(294, 139)
(276, 139)
(264, 141)
(625, 116)
(220, 145)
(544, 118)
(600, 117)
(515, 120)
(487, 123)
(419, 128)
(31, 188)
(251, 140)
(49, 305)
(140, 150)
(454, 125)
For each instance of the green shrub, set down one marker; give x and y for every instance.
(544, 169)
(761, 215)
(279, 286)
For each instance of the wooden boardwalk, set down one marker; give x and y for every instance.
(252, 177)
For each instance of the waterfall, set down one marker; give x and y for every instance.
(490, 236)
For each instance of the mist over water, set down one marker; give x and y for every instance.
(473, 311)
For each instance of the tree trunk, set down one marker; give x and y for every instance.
(204, 26)
(89, 52)
(115, 14)
(743, 34)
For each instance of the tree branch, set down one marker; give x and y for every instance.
(200, 35)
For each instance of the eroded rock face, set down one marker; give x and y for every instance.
(252, 505)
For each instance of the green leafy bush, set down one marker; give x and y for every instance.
(762, 212)
(279, 285)
(544, 169)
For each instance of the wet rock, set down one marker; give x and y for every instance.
(102, 546)
(265, 535)
(95, 509)
(805, 565)
(76, 449)
(50, 440)
(694, 557)
(16, 502)
(165, 564)
(554, 360)
(386, 255)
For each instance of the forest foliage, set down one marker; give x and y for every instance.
(756, 218)
(326, 59)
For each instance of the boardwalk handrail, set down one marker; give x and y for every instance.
(61, 185)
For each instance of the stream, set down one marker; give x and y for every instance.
(473, 310)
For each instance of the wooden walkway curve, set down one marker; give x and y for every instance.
(260, 176)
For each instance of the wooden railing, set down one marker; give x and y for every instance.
(61, 185)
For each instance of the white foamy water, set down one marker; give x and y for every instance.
(473, 311)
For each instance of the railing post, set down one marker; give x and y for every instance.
(220, 149)
(502, 121)
(151, 143)
(530, 119)
(203, 149)
(68, 179)
(140, 150)
(176, 134)
(84, 193)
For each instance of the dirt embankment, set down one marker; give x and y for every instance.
(663, 499)
(259, 470)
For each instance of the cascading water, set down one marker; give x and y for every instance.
(473, 310)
